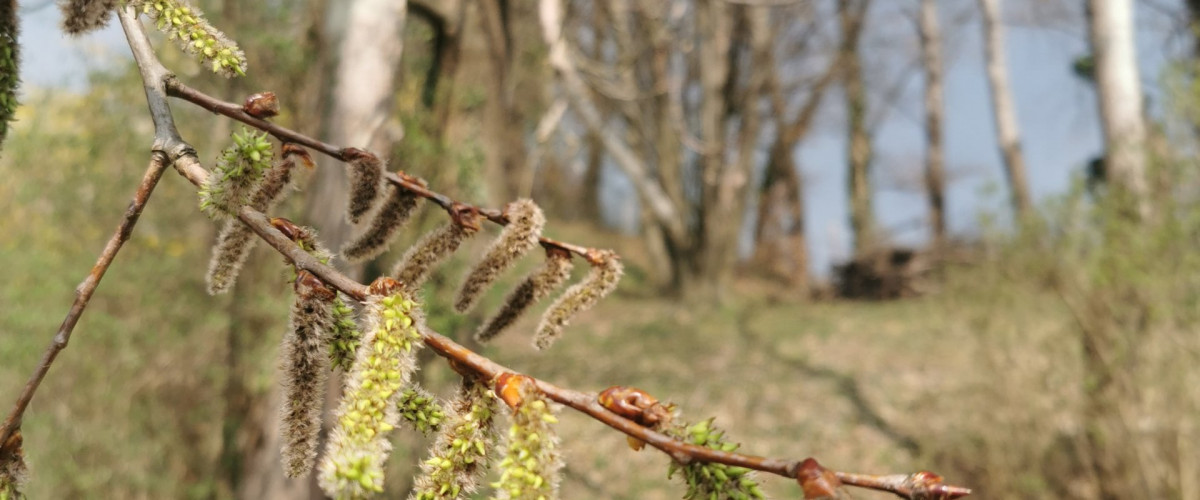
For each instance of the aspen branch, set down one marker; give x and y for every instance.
(171, 149)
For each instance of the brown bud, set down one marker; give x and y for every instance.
(818, 482)
(634, 404)
(508, 388)
(384, 286)
(261, 105)
(309, 285)
(287, 227)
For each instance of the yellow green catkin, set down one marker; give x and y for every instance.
(540, 283)
(366, 180)
(417, 263)
(304, 367)
(601, 280)
(458, 458)
(183, 22)
(525, 222)
(12, 467)
(358, 445)
(712, 480)
(421, 410)
(531, 465)
(82, 16)
(393, 213)
(238, 170)
(10, 64)
(345, 336)
(235, 240)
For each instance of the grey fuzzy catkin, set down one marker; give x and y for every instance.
(414, 267)
(553, 273)
(82, 16)
(525, 222)
(601, 280)
(236, 239)
(304, 365)
(395, 211)
(366, 179)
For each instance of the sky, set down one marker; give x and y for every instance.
(1056, 111)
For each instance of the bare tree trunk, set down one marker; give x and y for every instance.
(1119, 90)
(504, 139)
(1007, 131)
(363, 93)
(935, 176)
(862, 217)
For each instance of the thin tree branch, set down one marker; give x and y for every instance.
(83, 292)
(175, 88)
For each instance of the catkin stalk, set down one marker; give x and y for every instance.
(525, 222)
(601, 280)
(304, 366)
(553, 273)
(395, 211)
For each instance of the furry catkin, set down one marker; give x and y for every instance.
(525, 222)
(82, 16)
(237, 239)
(553, 273)
(459, 456)
(358, 445)
(601, 280)
(185, 24)
(532, 466)
(344, 338)
(10, 63)
(414, 267)
(395, 211)
(304, 365)
(366, 179)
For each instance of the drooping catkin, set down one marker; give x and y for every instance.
(366, 180)
(10, 64)
(553, 273)
(531, 467)
(601, 280)
(395, 211)
(458, 458)
(304, 366)
(183, 22)
(358, 446)
(12, 467)
(82, 16)
(237, 239)
(416, 264)
(525, 222)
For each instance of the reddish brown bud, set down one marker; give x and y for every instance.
(508, 388)
(384, 286)
(261, 105)
(817, 481)
(634, 404)
(311, 287)
(287, 227)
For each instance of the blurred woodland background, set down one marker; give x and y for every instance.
(891, 234)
